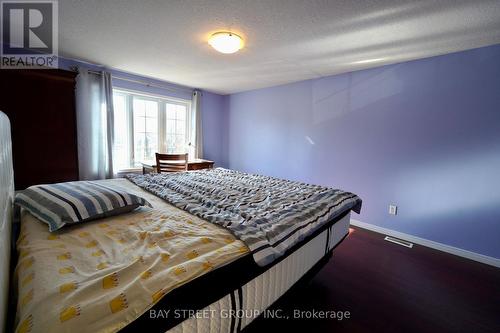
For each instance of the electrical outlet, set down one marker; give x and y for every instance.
(393, 209)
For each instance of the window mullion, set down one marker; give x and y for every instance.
(130, 115)
(162, 131)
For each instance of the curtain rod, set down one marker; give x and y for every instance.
(148, 84)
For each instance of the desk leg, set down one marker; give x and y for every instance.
(143, 170)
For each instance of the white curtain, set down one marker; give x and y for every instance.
(94, 117)
(197, 133)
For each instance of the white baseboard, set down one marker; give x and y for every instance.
(428, 243)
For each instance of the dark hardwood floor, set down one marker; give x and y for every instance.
(390, 288)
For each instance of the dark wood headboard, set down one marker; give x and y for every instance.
(41, 108)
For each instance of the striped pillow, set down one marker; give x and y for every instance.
(75, 202)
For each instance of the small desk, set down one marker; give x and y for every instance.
(194, 164)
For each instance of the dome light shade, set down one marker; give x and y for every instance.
(226, 42)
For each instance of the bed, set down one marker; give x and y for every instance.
(179, 266)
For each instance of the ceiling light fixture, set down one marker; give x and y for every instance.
(226, 42)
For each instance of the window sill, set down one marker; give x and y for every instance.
(122, 172)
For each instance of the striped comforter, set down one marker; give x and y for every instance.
(269, 215)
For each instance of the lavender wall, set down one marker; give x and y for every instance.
(213, 108)
(424, 135)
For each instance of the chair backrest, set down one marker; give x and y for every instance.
(171, 162)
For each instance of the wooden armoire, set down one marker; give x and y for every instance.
(41, 107)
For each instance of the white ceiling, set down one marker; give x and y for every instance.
(286, 40)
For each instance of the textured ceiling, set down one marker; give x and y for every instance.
(286, 40)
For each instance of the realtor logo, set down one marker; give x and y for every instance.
(29, 34)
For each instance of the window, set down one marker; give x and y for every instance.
(176, 127)
(145, 125)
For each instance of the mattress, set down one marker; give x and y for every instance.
(251, 287)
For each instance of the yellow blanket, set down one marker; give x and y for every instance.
(100, 276)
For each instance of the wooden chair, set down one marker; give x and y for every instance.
(171, 162)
